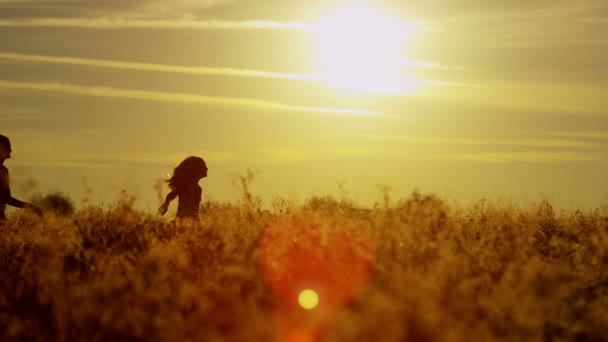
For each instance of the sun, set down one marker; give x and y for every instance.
(360, 49)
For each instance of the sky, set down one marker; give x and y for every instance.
(503, 100)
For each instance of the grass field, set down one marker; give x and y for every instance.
(413, 269)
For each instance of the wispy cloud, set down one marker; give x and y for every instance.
(125, 23)
(286, 154)
(299, 154)
(103, 63)
(145, 157)
(539, 143)
(175, 97)
(196, 70)
(113, 160)
(533, 96)
(530, 25)
(527, 157)
(88, 8)
(582, 134)
(8, 115)
(519, 12)
(596, 19)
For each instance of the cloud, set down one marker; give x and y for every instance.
(175, 97)
(533, 25)
(195, 70)
(18, 115)
(521, 142)
(286, 154)
(533, 96)
(146, 157)
(546, 150)
(597, 20)
(527, 157)
(103, 63)
(582, 134)
(124, 8)
(125, 23)
(113, 160)
(300, 154)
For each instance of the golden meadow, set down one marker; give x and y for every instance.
(441, 272)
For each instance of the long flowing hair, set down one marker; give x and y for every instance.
(186, 173)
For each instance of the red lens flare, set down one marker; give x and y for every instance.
(302, 255)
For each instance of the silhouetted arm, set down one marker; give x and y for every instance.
(165, 206)
(6, 198)
(5, 190)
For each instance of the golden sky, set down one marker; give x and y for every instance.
(469, 99)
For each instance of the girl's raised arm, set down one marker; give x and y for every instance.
(6, 198)
(165, 206)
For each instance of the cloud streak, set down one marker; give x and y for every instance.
(103, 63)
(123, 8)
(175, 97)
(286, 154)
(113, 160)
(299, 154)
(195, 70)
(524, 26)
(527, 157)
(18, 115)
(534, 96)
(124, 23)
(539, 143)
(582, 134)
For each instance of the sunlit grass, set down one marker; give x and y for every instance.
(441, 271)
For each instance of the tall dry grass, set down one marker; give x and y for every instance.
(441, 272)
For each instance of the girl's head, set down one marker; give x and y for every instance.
(5, 147)
(189, 171)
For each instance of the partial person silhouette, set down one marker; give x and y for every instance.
(184, 186)
(5, 190)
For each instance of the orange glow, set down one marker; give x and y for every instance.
(300, 338)
(311, 253)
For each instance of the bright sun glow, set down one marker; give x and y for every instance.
(308, 299)
(360, 50)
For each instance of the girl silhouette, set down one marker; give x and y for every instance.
(184, 184)
(5, 190)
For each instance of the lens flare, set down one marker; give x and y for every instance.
(307, 253)
(308, 299)
(314, 265)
